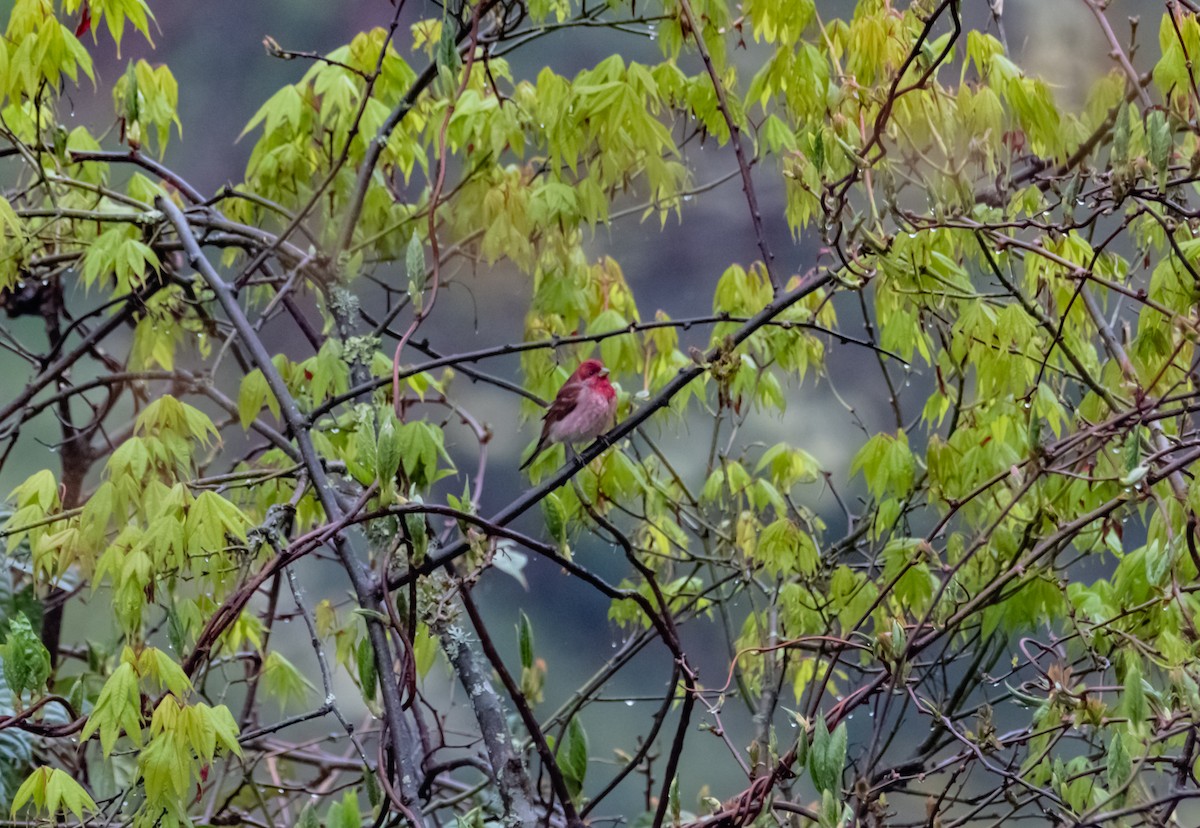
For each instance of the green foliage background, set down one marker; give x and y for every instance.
(269, 388)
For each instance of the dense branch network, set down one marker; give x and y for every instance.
(1025, 541)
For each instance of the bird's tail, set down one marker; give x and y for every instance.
(536, 451)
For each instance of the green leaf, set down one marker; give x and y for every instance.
(446, 57)
(620, 353)
(1118, 764)
(126, 94)
(387, 451)
(789, 466)
(418, 533)
(421, 445)
(115, 13)
(166, 767)
(283, 681)
(195, 723)
(253, 394)
(154, 664)
(117, 708)
(556, 518)
(344, 814)
(887, 464)
(525, 638)
(414, 265)
(1158, 133)
(425, 649)
(53, 792)
(224, 727)
(26, 660)
(827, 756)
(371, 782)
(573, 757)
(367, 674)
(783, 547)
(363, 450)
(801, 744)
(212, 523)
(1133, 701)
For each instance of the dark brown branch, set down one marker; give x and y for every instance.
(626, 427)
(365, 589)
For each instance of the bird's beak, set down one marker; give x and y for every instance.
(604, 372)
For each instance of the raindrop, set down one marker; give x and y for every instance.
(629, 702)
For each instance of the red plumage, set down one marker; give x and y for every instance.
(583, 409)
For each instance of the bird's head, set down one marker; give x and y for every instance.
(590, 368)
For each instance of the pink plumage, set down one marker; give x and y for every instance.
(583, 409)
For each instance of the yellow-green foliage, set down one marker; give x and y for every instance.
(994, 294)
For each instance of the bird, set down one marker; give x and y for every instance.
(583, 409)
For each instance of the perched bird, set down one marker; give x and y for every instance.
(583, 409)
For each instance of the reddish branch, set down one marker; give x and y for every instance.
(735, 137)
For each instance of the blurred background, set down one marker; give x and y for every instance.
(215, 50)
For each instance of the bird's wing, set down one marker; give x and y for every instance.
(565, 402)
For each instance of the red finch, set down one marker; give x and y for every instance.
(583, 409)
